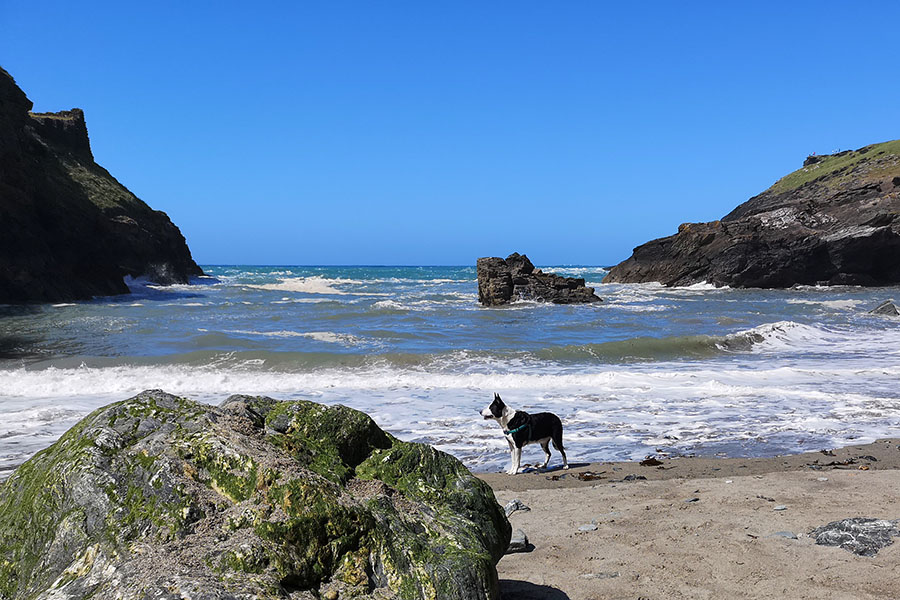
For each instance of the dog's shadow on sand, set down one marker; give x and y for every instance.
(524, 590)
(536, 469)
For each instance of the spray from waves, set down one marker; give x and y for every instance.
(611, 410)
(314, 285)
(599, 272)
(205, 372)
(216, 380)
(319, 336)
(240, 349)
(788, 336)
(611, 413)
(779, 338)
(832, 304)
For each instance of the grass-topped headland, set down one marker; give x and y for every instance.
(834, 221)
(833, 169)
(63, 115)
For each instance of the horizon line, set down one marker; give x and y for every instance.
(585, 265)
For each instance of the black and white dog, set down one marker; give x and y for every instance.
(521, 429)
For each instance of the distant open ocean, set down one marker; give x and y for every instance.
(682, 370)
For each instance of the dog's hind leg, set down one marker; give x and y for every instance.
(545, 444)
(557, 443)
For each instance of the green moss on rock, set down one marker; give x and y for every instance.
(330, 440)
(161, 495)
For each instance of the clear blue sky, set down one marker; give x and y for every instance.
(437, 132)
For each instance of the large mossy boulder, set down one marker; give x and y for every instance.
(161, 497)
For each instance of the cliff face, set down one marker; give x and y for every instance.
(834, 221)
(68, 229)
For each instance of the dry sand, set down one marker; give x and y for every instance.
(651, 544)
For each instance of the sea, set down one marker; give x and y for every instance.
(651, 370)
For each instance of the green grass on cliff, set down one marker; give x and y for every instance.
(65, 115)
(836, 167)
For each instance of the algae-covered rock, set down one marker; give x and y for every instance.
(162, 497)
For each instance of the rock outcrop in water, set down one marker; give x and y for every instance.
(835, 221)
(68, 229)
(886, 308)
(503, 281)
(161, 497)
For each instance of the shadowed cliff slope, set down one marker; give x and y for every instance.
(68, 229)
(834, 221)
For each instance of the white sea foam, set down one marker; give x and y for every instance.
(389, 305)
(319, 336)
(300, 301)
(834, 304)
(788, 336)
(703, 286)
(607, 412)
(425, 305)
(306, 285)
(575, 271)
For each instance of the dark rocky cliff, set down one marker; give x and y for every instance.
(834, 221)
(68, 229)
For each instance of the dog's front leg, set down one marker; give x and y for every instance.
(516, 460)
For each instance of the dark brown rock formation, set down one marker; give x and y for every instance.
(835, 221)
(503, 281)
(68, 229)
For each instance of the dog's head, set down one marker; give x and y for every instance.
(495, 409)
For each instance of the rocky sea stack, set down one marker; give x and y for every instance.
(161, 497)
(503, 281)
(68, 229)
(835, 221)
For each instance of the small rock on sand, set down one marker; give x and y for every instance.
(862, 536)
(514, 505)
(518, 542)
(600, 575)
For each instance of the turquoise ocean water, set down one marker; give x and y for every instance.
(681, 370)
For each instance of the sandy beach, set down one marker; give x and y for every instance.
(702, 527)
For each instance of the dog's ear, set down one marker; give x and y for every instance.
(496, 396)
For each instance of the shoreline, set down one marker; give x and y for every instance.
(701, 527)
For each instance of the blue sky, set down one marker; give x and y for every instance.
(434, 133)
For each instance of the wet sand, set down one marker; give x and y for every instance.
(702, 527)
